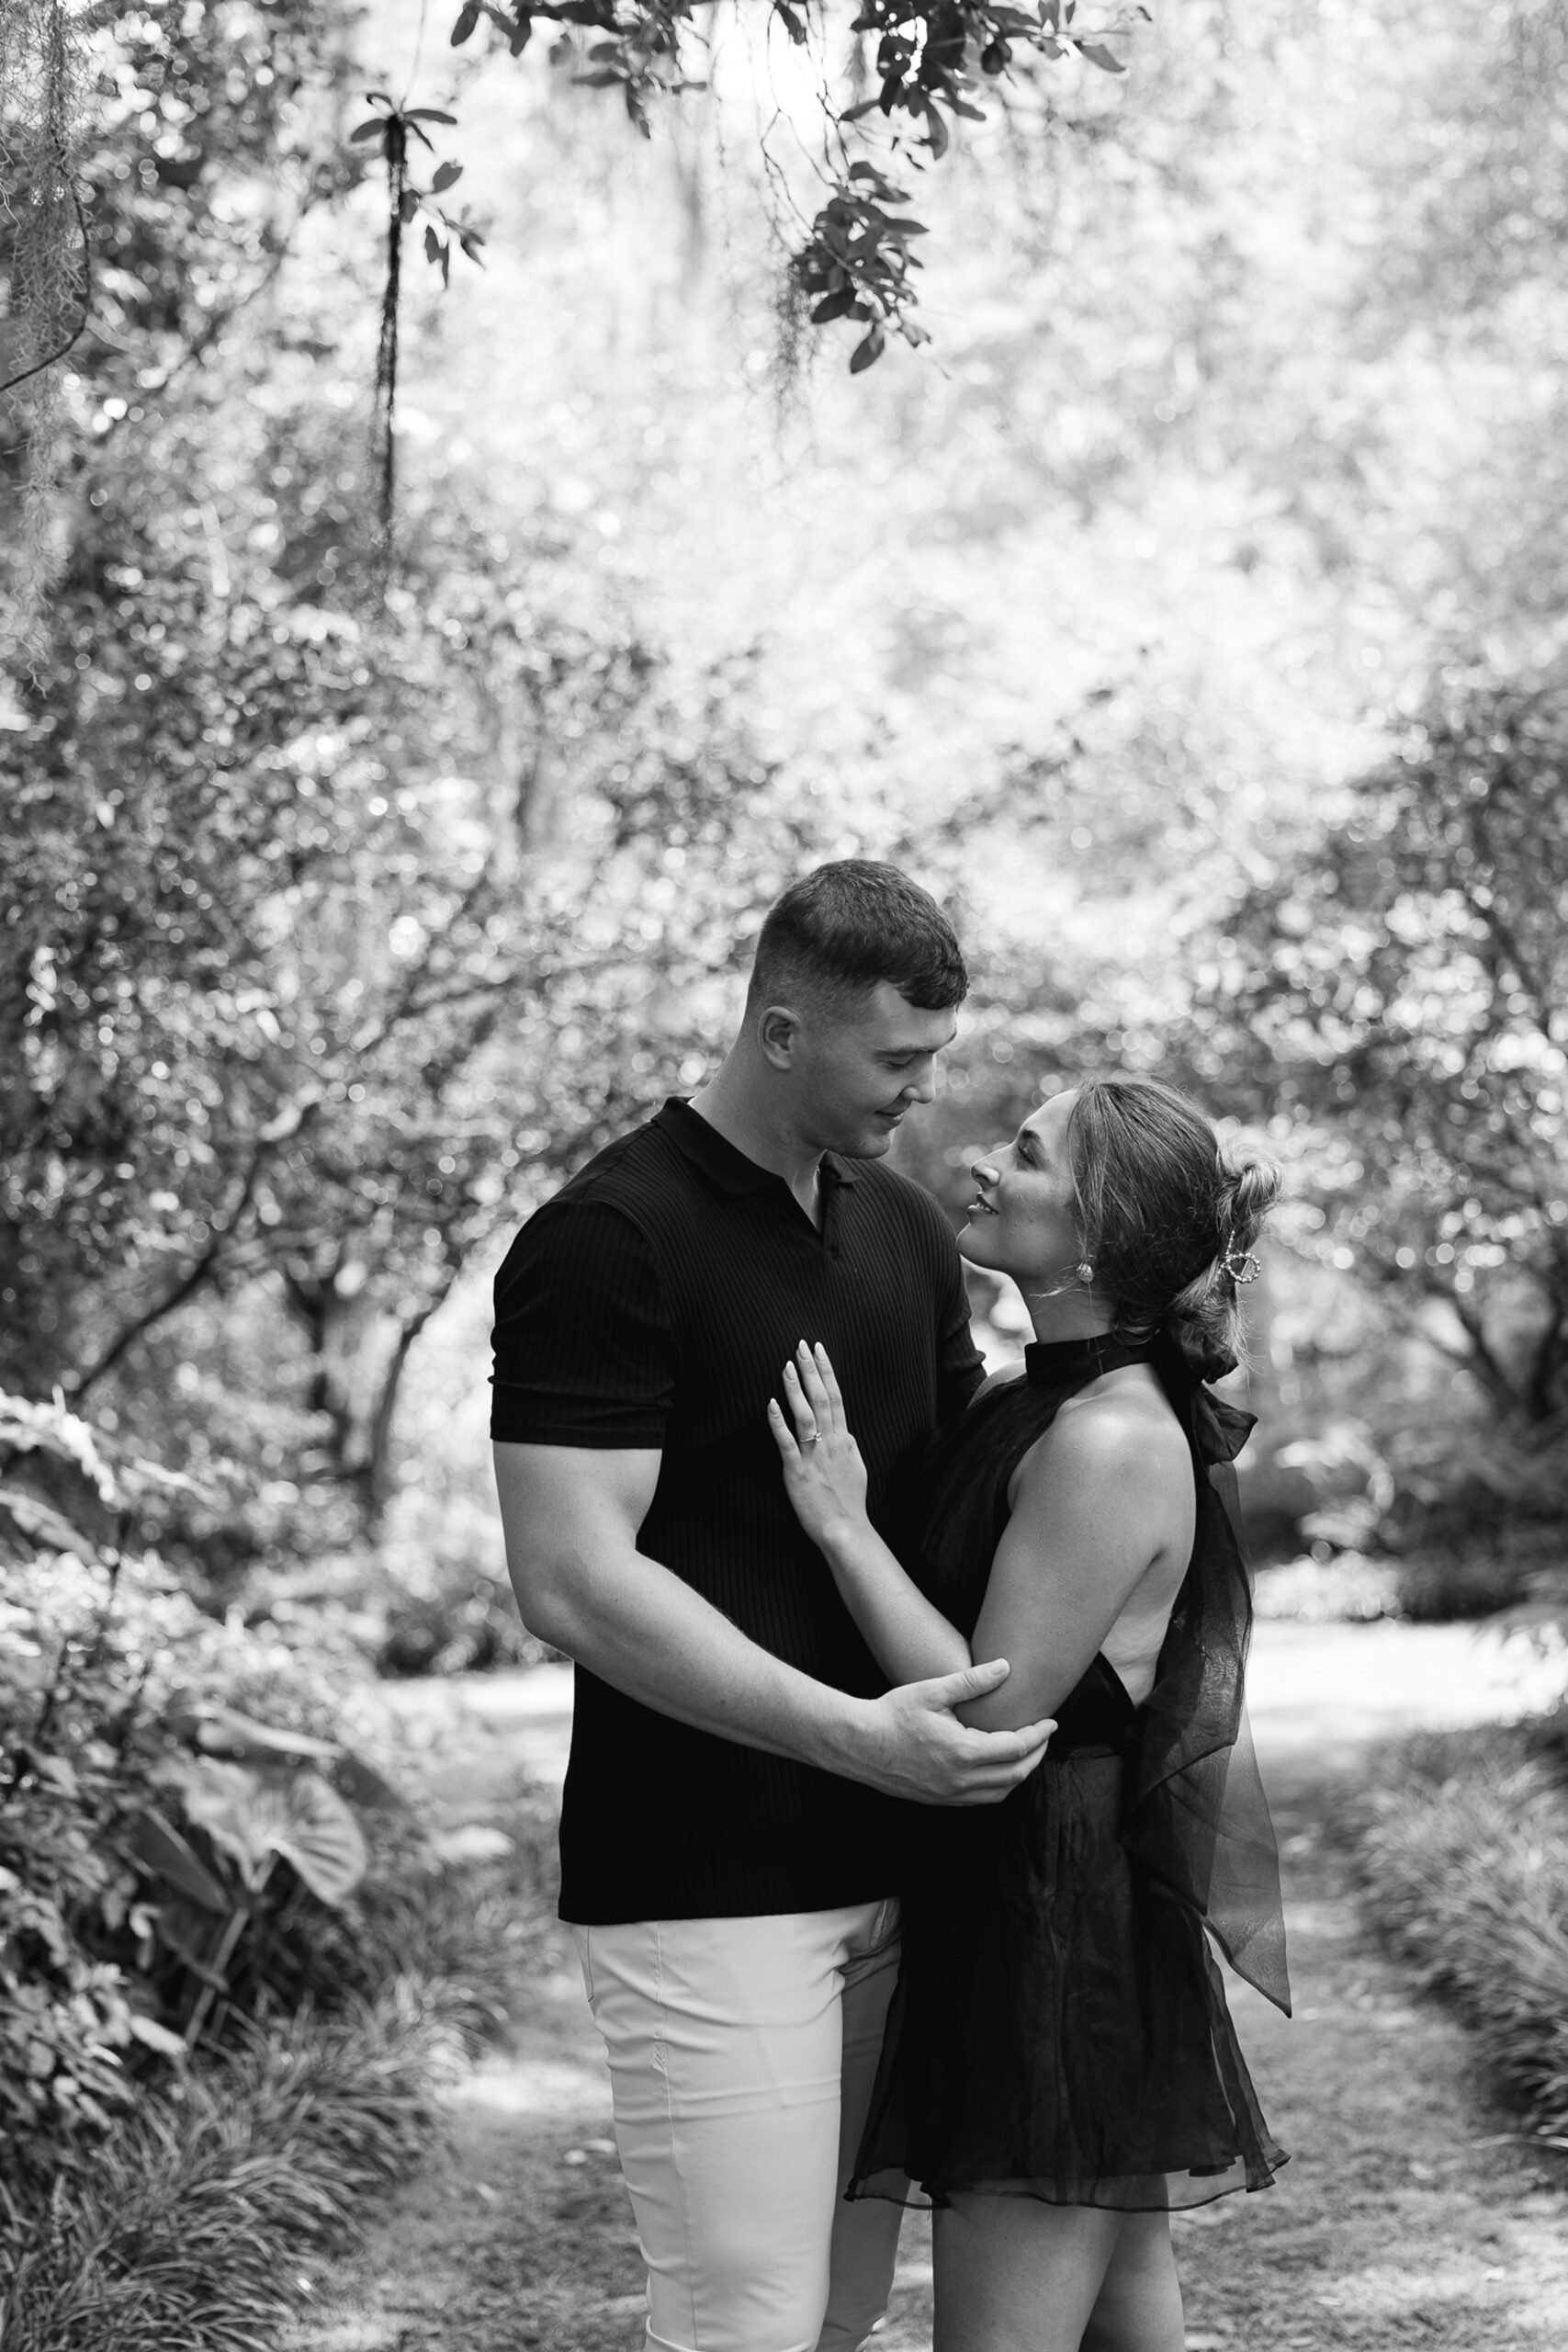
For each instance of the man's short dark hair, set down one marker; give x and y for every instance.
(845, 926)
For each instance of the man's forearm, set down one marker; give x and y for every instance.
(634, 1623)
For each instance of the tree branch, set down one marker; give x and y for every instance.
(278, 1130)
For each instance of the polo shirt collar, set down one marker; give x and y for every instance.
(719, 1157)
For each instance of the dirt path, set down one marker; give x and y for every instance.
(1408, 2215)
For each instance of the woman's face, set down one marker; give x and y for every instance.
(1023, 1217)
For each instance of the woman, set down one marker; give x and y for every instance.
(1060, 2071)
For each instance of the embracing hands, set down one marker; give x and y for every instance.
(824, 1475)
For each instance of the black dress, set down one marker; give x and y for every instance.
(1059, 2029)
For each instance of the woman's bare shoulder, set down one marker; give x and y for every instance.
(1127, 1439)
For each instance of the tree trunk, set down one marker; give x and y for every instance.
(361, 1347)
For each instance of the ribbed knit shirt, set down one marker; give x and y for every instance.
(653, 1302)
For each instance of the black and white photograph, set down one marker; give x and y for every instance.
(783, 1176)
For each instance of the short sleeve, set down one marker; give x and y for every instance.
(585, 1355)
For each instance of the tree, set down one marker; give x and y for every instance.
(69, 79)
(1400, 995)
(291, 1000)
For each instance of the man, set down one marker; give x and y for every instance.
(732, 1822)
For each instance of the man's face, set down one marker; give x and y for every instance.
(857, 1072)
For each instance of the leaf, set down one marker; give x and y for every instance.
(866, 354)
(791, 22)
(236, 1811)
(433, 245)
(44, 1523)
(447, 176)
(221, 1732)
(428, 114)
(376, 130)
(158, 1847)
(408, 205)
(1098, 55)
(468, 18)
(154, 2036)
(54, 1771)
(299, 1817)
(366, 1788)
(323, 1840)
(831, 306)
(194, 1933)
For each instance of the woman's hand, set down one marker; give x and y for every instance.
(824, 1475)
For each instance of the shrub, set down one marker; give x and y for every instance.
(185, 1839)
(176, 2240)
(1462, 1851)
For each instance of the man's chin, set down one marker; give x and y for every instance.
(868, 1143)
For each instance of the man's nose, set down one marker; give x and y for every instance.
(923, 1088)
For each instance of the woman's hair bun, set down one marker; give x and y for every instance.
(1254, 1185)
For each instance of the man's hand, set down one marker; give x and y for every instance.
(918, 1747)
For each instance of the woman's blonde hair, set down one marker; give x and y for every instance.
(1168, 1217)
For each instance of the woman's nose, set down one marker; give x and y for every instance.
(984, 1172)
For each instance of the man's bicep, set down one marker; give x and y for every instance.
(555, 1497)
(568, 1513)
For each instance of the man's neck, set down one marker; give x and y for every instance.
(733, 1107)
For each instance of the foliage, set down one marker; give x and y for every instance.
(930, 58)
(1462, 1848)
(187, 2233)
(1400, 993)
(284, 997)
(154, 118)
(166, 1859)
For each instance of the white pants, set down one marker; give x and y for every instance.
(741, 2058)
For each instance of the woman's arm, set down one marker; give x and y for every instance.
(825, 1478)
(1104, 1500)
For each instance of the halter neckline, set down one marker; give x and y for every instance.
(1063, 1364)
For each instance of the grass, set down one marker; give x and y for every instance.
(184, 2233)
(187, 2228)
(1461, 1854)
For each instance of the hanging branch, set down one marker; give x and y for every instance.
(395, 134)
(395, 127)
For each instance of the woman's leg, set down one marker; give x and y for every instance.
(1015, 2275)
(1012, 2275)
(865, 2233)
(1139, 2305)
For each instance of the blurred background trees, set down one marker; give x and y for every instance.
(1191, 614)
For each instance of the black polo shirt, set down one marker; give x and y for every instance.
(653, 1302)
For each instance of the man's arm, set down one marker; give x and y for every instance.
(571, 1516)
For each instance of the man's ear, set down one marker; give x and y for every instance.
(778, 1034)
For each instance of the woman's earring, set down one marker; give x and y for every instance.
(1085, 1274)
